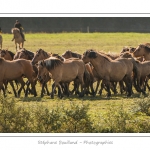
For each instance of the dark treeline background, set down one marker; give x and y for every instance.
(77, 24)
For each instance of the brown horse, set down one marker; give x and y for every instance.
(1, 41)
(64, 72)
(6, 54)
(110, 70)
(69, 54)
(11, 70)
(18, 38)
(40, 55)
(142, 73)
(126, 49)
(142, 50)
(24, 54)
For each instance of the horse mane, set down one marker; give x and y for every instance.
(73, 54)
(57, 56)
(104, 56)
(44, 52)
(147, 48)
(76, 55)
(11, 54)
(52, 62)
(29, 53)
(110, 55)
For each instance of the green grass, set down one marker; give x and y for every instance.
(79, 42)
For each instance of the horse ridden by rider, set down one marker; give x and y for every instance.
(19, 26)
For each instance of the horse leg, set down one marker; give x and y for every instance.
(82, 86)
(59, 89)
(98, 82)
(33, 88)
(21, 81)
(2, 88)
(75, 89)
(102, 87)
(53, 90)
(92, 89)
(128, 82)
(121, 85)
(139, 83)
(67, 89)
(107, 83)
(33, 83)
(113, 88)
(47, 89)
(12, 85)
(42, 91)
(44, 85)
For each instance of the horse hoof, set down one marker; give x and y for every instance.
(81, 95)
(61, 96)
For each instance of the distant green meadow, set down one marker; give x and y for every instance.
(80, 42)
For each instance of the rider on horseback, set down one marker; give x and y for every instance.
(19, 26)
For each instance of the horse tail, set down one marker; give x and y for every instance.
(135, 67)
(86, 76)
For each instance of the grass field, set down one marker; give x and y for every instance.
(104, 113)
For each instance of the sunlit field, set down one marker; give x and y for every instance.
(105, 114)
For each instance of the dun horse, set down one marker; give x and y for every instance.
(69, 54)
(64, 72)
(110, 70)
(11, 70)
(6, 54)
(26, 54)
(18, 38)
(142, 50)
(39, 55)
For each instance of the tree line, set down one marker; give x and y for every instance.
(77, 24)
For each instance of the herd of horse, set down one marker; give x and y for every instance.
(130, 69)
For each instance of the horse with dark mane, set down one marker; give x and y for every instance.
(57, 56)
(142, 74)
(18, 38)
(64, 72)
(40, 55)
(25, 54)
(11, 70)
(142, 50)
(110, 70)
(6, 54)
(69, 54)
